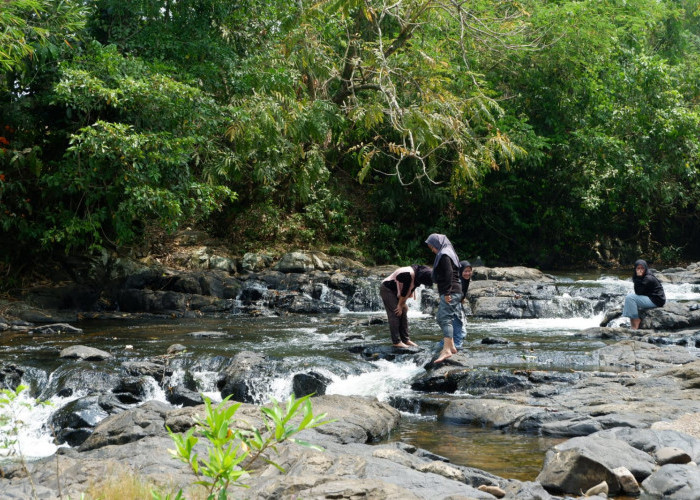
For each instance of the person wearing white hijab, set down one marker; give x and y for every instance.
(395, 290)
(446, 275)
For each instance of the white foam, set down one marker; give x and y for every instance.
(543, 324)
(28, 426)
(390, 378)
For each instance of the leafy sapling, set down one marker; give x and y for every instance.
(231, 450)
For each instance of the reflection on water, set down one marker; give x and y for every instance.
(513, 456)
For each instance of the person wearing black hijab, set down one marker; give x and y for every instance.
(465, 276)
(648, 293)
(446, 276)
(395, 290)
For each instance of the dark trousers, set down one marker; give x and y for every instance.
(398, 325)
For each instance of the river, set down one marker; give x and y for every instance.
(299, 343)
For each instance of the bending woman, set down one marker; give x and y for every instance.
(648, 293)
(446, 275)
(395, 290)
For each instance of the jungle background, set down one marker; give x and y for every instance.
(549, 133)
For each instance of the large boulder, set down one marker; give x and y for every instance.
(144, 421)
(156, 369)
(690, 274)
(672, 316)
(254, 262)
(74, 422)
(358, 419)
(10, 376)
(499, 414)
(239, 378)
(131, 390)
(583, 462)
(312, 382)
(182, 396)
(302, 262)
(475, 382)
(151, 301)
(303, 304)
(653, 440)
(638, 356)
(72, 378)
(84, 353)
(673, 482)
(517, 273)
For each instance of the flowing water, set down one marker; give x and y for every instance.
(299, 343)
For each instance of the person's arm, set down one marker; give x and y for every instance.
(405, 280)
(655, 290)
(443, 276)
(646, 286)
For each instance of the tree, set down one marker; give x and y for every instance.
(101, 146)
(613, 153)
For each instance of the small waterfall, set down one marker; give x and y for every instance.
(366, 297)
(153, 390)
(326, 295)
(387, 380)
(682, 292)
(31, 438)
(563, 306)
(415, 309)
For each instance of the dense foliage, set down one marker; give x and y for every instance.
(537, 132)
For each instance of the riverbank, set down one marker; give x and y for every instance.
(642, 382)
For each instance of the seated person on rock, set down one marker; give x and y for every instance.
(648, 293)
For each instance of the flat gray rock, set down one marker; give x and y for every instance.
(84, 352)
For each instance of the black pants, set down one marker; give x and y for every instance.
(398, 325)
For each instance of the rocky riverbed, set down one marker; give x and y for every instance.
(630, 420)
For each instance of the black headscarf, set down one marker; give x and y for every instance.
(648, 284)
(642, 263)
(424, 275)
(463, 264)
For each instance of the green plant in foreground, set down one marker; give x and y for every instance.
(11, 424)
(231, 450)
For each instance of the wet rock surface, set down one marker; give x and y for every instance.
(313, 283)
(630, 417)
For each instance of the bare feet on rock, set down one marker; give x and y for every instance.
(443, 356)
(400, 344)
(412, 344)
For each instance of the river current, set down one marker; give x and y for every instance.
(323, 343)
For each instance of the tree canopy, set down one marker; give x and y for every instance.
(537, 132)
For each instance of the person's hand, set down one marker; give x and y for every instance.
(398, 311)
(448, 298)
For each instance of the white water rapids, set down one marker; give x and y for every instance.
(25, 429)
